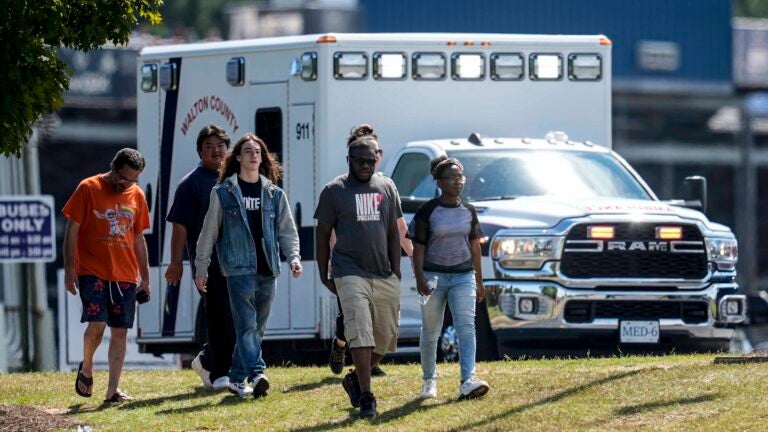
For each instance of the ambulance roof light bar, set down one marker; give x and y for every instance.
(329, 38)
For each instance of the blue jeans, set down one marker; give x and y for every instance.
(459, 291)
(250, 298)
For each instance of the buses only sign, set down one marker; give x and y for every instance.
(27, 229)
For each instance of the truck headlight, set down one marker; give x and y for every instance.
(525, 252)
(724, 252)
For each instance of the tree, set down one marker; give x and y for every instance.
(750, 8)
(200, 16)
(30, 33)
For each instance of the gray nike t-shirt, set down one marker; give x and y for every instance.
(361, 214)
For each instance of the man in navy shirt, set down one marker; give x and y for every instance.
(190, 204)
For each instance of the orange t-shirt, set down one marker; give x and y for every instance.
(108, 223)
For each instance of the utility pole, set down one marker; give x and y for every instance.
(36, 295)
(755, 105)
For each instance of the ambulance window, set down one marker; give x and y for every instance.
(350, 65)
(507, 66)
(428, 66)
(389, 66)
(269, 127)
(469, 67)
(546, 67)
(235, 71)
(585, 67)
(308, 66)
(149, 78)
(413, 181)
(169, 77)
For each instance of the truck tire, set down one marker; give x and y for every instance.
(487, 349)
(448, 344)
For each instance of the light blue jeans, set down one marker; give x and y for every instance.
(251, 299)
(459, 291)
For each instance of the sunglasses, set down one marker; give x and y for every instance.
(362, 161)
(456, 178)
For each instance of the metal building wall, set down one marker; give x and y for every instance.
(701, 28)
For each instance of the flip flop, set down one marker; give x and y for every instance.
(119, 396)
(84, 380)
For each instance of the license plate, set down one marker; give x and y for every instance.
(639, 332)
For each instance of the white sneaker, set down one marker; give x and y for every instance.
(260, 385)
(221, 383)
(204, 374)
(240, 389)
(473, 388)
(429, 388)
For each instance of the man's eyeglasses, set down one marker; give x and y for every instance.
(455, 178)
(121, 179)
(362, 161)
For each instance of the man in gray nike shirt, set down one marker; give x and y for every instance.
(363, 209)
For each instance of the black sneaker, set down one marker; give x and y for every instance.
(367, 405)
(260, 384)
(336, 359)
(376, 371)
(352, 386)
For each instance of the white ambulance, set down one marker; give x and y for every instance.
(303, 94)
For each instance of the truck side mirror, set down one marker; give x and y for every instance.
(695, 189)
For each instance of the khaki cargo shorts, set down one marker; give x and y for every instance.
(371, 309)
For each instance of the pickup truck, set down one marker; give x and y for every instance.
(579, 252)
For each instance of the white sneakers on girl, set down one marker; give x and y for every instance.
(473, 388)
(429, 388)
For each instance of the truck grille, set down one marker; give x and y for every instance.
(584, 258)
(584, 311)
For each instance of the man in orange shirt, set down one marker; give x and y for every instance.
(104, 254)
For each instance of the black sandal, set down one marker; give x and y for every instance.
(119, 396)
(84, 380)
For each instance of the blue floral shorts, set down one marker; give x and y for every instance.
(107, 301)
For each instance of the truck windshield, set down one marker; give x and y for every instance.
(508, 174)
(516, 173)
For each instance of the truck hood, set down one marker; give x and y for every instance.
(547, 211)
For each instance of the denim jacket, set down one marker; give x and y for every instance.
(226, 226)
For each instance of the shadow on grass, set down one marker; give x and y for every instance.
(186, 410)
(83, 408)
(313, 385)
(552, 399)
(200, 391)
(408, 408)
(383, 417)
(232, 399)
(637, 409)
(143, 403)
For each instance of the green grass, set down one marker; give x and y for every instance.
(673, 393)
